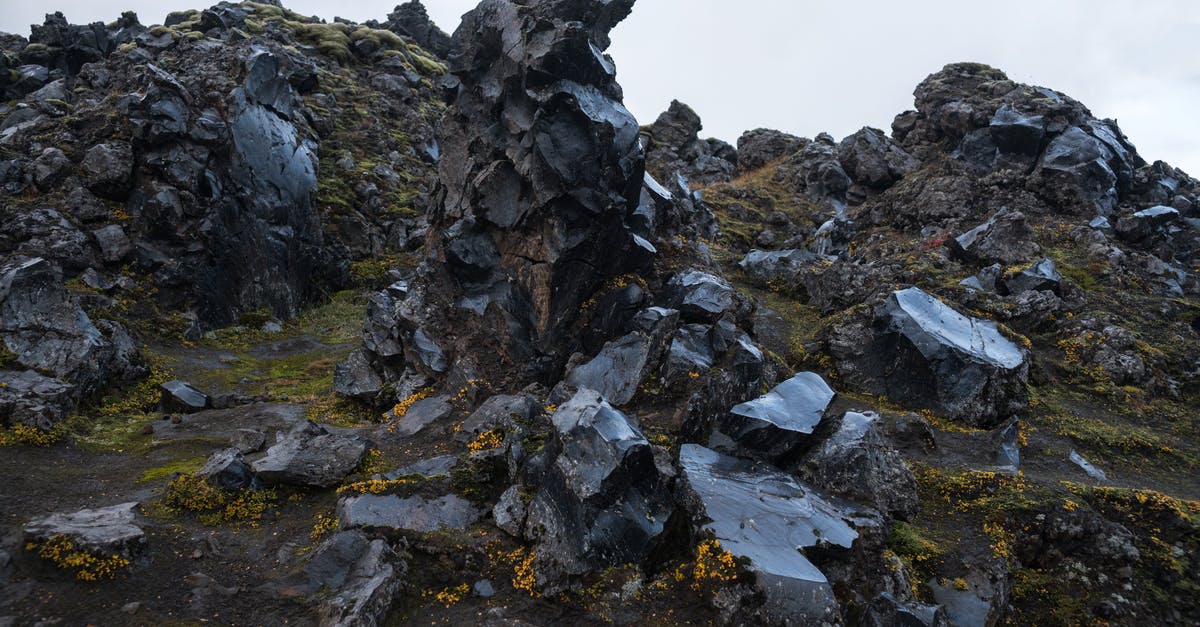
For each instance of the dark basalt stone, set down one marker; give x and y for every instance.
(700, 296)
(227, 470)
(182, 397)
(1042, 275)
(601, 501)
(777, 424)
(1013, 132)
(28, 398)
(311, 456)
(920, 352)
(856, 462)
(1004, 238)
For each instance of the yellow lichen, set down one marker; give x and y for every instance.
(87, 565)
(486, 441)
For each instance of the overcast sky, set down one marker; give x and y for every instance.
(805, 66)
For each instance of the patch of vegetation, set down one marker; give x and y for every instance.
(25, 435)
(87, 565)
(189, 493)
(375, 272)
(170, 469)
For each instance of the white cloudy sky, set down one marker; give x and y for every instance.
(807, 66)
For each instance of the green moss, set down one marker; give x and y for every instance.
(424, 64)
(36, 48)
(8, 358)
(166, 471)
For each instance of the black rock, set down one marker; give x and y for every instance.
(700, 296)
(28, 398)
(920, 352)
(1042, 275)
(1013, 132)
(356, 377)
(182, 397)
(411, 19)
(775, 266)
(601, 501)
(872, 159)
(356, 577)
(1004, 238)
(227, 470)
(777, 424)
(423, 413)
(761, 146)
(109, 168)
(857, 463)
(1144, 224)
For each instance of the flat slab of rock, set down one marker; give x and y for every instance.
(777, 423)
(424, 413)
(768, 518)
(414, 513)
(109, 530)
(433, 467)
(311, 456)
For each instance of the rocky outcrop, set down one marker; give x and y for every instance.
(28, 398)
(674, 148)
(412, 19)
(758, 147)
(46, 330)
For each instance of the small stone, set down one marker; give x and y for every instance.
(483, 588)
(131, 608)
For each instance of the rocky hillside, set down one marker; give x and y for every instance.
(368, 324)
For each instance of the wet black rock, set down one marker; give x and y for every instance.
(776, 425)
(356, 577)
(816, 172)
(28, 398)
(767, 518)
(109, 168)
(1143, 225)
(1088, 167)
(391, 513)
(47, 331)
(857, 462)
(601, 501)
(674, 148)
(311, 456)
(535, 142)
(357, 378)
(758, 147)
(920, 352)
(227, 470)
(700, 296)
(621, 366)
(1005, 238)
(106, 531)
(1013, 132)
(873, 160)
(182, 397)
(1042, 276)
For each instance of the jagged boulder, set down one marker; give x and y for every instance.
(412, 19)
(1041, 276)
(858, 463)
(182, 397)
(622, 365)
(767, 518)
(357, 579)
(28, 398)
(1005, 238)
(602, 500)
(674, 148)
(227, 469)
(776, 425)
(873, 160)
(47, 331)
(701, 296)
(920, 352)
(528, 201)
(311, 456)
(775, 266)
